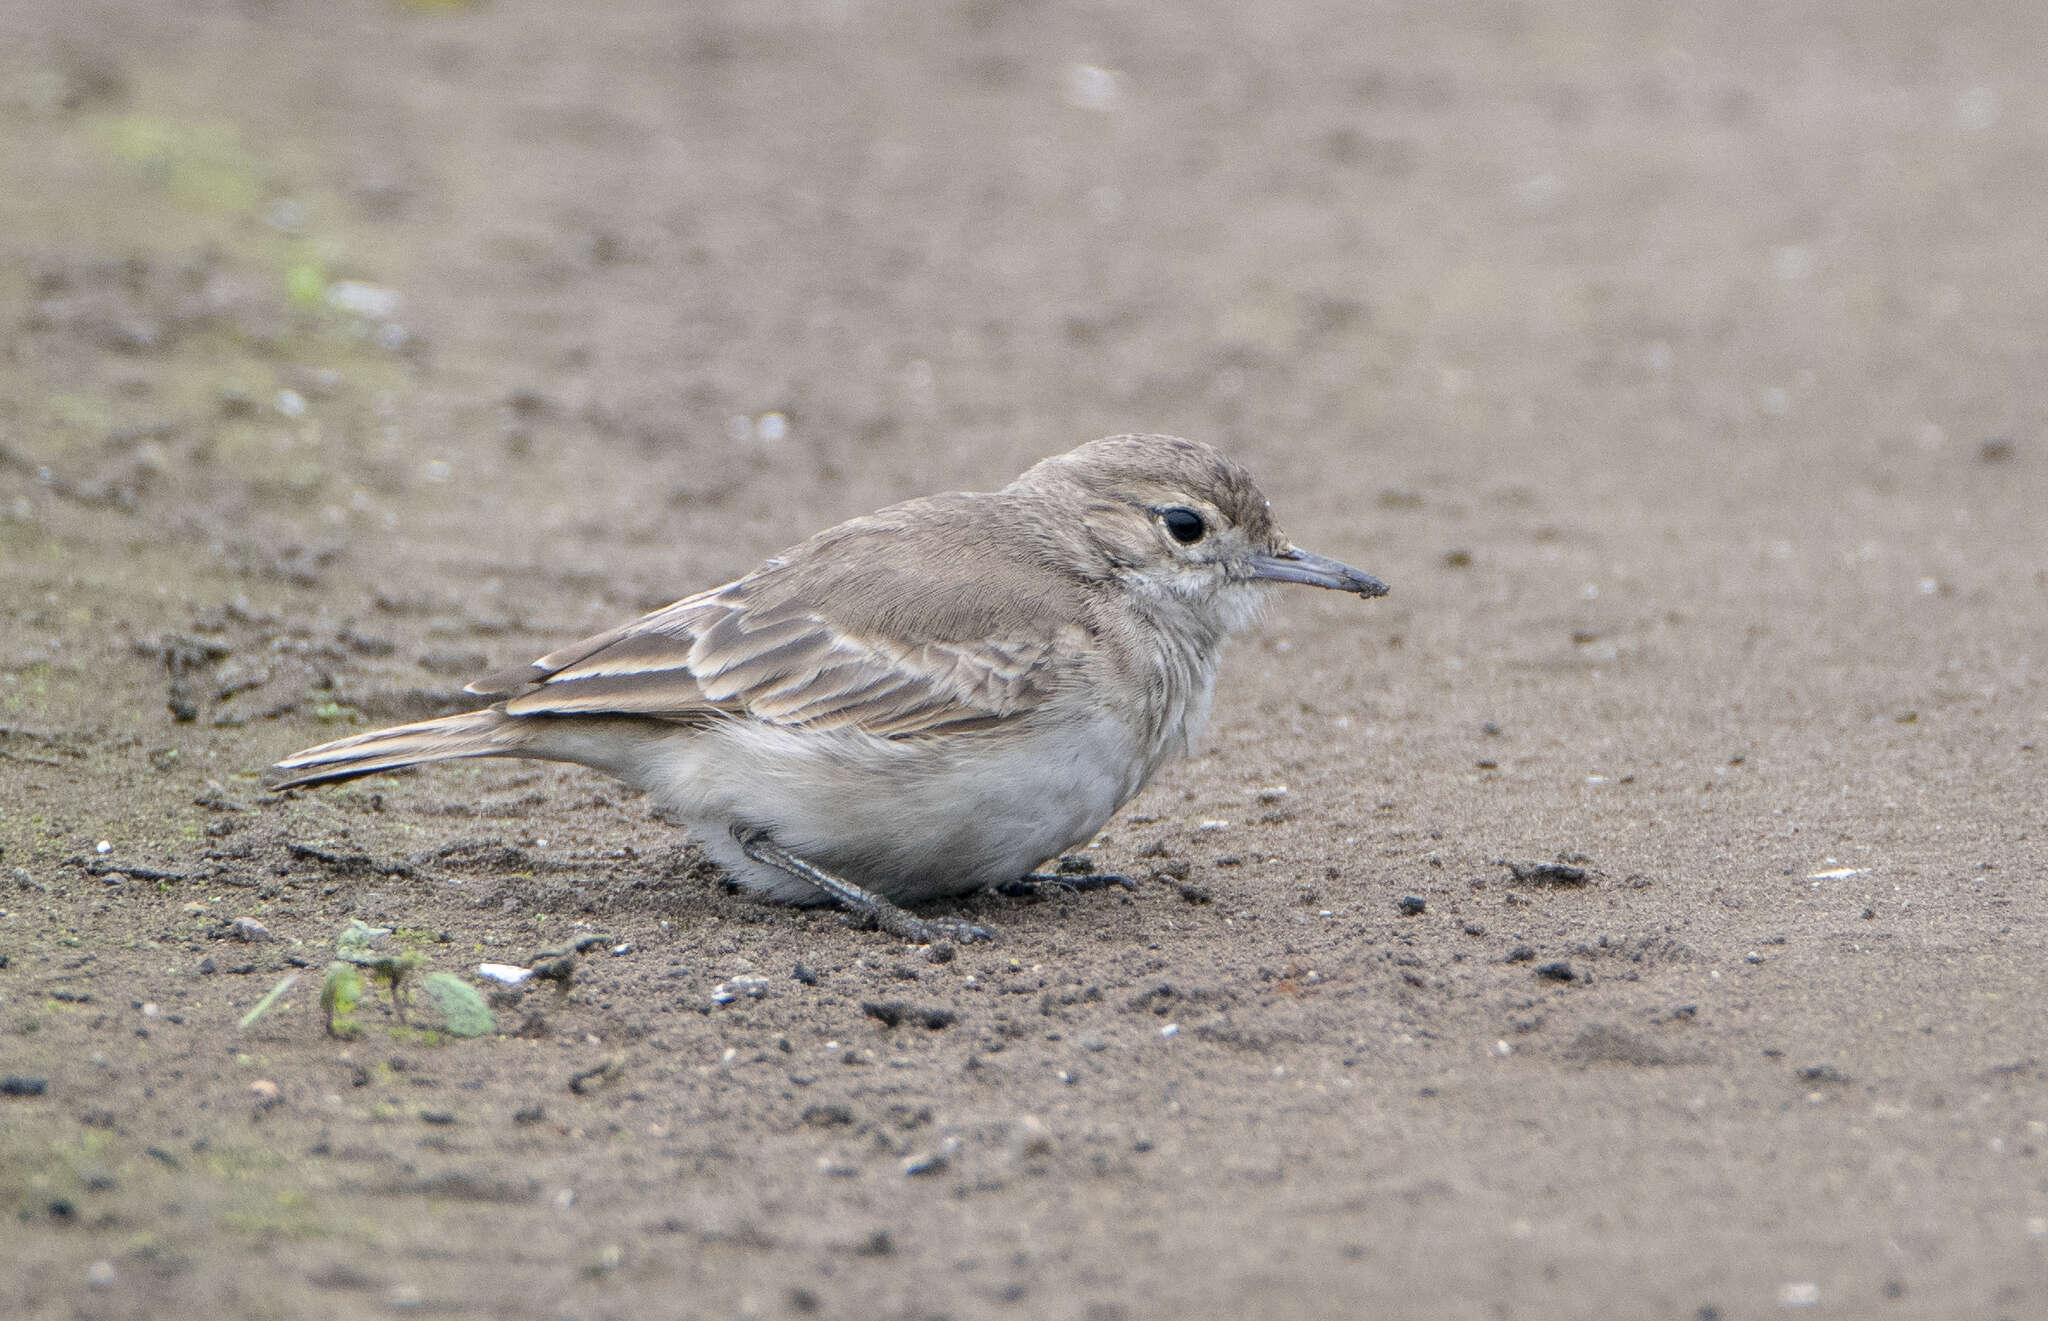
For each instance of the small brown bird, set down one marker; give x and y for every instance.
(927, 701)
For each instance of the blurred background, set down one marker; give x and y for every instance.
(643, 271)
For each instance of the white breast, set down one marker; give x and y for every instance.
(910, 819)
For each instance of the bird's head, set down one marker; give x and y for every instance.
(1176, 521)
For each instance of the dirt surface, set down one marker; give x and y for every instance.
(1680, 365)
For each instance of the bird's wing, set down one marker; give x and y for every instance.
(723, 652)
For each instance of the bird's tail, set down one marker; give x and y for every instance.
(486, 733)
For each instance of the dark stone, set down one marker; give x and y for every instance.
(893, 1013)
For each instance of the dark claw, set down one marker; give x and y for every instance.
(1037, 883)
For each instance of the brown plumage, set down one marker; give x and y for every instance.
(923, 701)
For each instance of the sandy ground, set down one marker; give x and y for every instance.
(1680, 365)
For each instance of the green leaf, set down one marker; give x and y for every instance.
(339, 995)
(461, 1007)
(270, 999)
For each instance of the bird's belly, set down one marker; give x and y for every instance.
(910, 819)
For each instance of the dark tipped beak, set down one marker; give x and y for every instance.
(1295, 565)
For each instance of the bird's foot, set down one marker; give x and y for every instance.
(1037, 883)
(866, 907)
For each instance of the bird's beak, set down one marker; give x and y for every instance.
(1295, 565)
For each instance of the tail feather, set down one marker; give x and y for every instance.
(486, 733)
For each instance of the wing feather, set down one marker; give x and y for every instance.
(716, 655)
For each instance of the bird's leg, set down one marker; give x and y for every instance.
(862, 902)
(1073, 876)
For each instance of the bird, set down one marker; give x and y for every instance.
(916, 704)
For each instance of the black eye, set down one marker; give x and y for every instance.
(1184, 525)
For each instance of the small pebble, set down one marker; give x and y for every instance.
(17, 1085)
(1412, 905)
(100, 1275)
(828, 1114)
(1560, 971)
(249, 930)
(1030, 1138)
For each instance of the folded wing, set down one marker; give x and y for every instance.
(724, 653)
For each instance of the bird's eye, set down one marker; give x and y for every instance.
(1183, 525)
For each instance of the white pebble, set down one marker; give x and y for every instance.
(1092, 87)
(372, 302)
